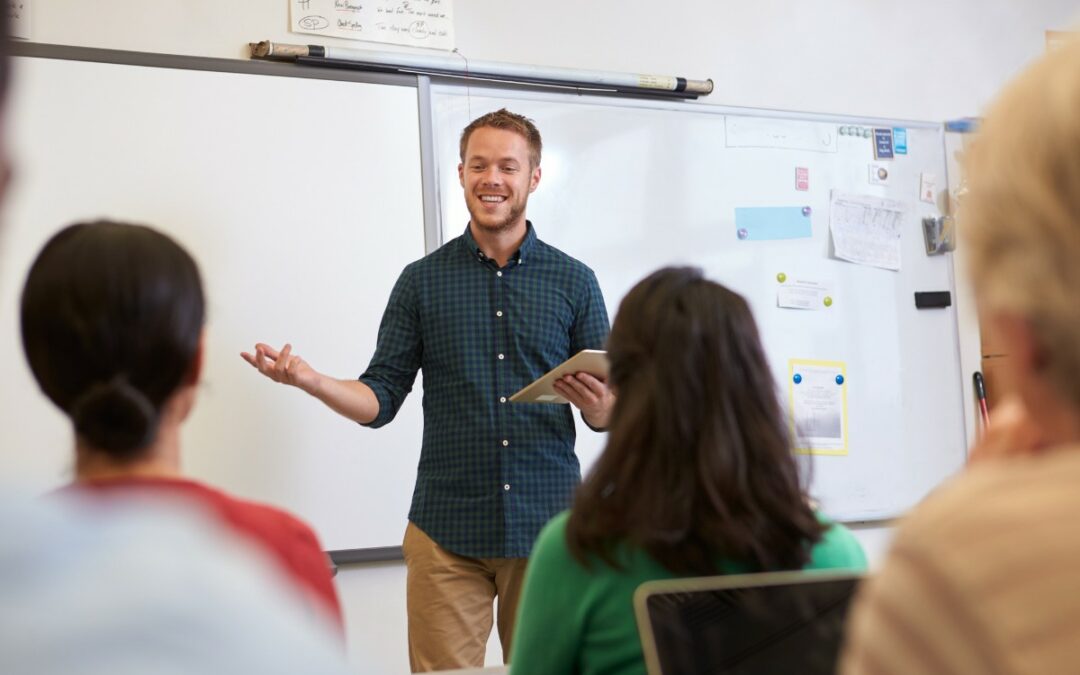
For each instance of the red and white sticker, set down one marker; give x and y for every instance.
(802, 178)
(927, 187)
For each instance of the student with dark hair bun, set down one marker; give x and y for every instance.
(698, 478)
(112, 325)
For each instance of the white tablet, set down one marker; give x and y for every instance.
(591, 361)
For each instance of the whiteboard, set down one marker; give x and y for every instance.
(628, 187)
(301, 201)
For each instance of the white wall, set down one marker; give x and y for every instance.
(922, 59)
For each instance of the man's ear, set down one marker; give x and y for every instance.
(534, 180)
(461, 173)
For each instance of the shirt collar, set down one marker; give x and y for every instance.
(526, 245)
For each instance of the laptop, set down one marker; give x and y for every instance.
(749, 624)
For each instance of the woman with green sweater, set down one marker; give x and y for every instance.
(698, 478)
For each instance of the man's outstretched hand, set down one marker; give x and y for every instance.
(283, 366)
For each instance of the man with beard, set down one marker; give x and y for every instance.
(483, 316)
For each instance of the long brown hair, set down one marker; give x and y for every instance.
(698, 464)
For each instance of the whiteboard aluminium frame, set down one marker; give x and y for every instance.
(968, 346)
(271, 68)
(196, 63)
(967, 349)
(426, 86)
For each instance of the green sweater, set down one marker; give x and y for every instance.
(573, 620)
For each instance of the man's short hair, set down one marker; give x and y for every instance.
(1020, 218)
(504, 119)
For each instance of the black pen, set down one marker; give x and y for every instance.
(980, 393)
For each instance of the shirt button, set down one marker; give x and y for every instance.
(502, 399)
(507, 486)
(498, 313)
(498, 274)
(505, 442)
(501, 357)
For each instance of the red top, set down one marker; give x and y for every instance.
(289, 541)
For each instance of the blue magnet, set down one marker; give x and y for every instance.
(743, 234)
(797, 378)
(839, 379)
(806, 210)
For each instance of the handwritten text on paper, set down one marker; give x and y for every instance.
(18, 12)
(416, 23)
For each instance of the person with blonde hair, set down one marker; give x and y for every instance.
(984, 576)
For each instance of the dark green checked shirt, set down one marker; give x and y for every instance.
(491, 472)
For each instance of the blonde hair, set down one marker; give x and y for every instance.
(504, 119)
(1020, 219)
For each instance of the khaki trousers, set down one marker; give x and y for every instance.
(449, 599)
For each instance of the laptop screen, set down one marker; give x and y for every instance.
(791, 622)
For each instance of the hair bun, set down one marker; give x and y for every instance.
(115, 417)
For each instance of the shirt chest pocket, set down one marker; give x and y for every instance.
(457, 329)
(541, 327)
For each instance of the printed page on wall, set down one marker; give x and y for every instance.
(413, 23)
(817, 393)
(866, 230)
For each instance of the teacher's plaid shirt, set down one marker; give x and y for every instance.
(491, 472)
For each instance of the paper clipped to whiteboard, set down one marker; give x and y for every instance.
(759, 132)
(817, 394)
(415, 23)
(866, 230)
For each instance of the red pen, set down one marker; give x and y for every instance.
(980, 393)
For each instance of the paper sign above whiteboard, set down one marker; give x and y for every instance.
(19, 12)
(416, 23)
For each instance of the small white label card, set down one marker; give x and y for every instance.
(802, 294)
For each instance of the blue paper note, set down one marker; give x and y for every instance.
(772, 222)
(899, 135)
